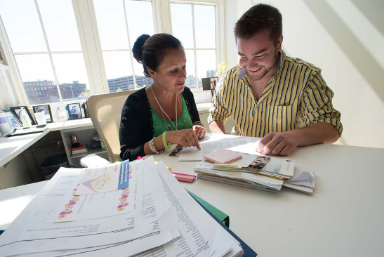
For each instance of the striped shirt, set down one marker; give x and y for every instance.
(296, 96)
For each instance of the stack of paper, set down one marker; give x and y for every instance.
(209, 171)
(302, 180)
(118, 210)
(252, 170)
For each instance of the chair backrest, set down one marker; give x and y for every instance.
(105, 112)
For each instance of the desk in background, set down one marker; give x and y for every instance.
(15, 169)
(345, 216)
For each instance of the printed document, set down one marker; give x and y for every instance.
(30, 232)
(74, 207)
(158, 220)
(111, 177)
(201, 235)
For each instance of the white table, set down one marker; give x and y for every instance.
(345, 216)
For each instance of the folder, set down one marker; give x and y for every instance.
(224, 218)
(248, 251)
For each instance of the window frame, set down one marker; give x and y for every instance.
(18, 88)
(91, 45)
(219, 29)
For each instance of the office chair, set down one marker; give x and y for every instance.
(105, 113)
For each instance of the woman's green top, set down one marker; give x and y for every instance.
(183, 122)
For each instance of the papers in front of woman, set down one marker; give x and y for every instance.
(165, 221)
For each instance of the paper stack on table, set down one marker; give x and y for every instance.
(153, 216)
(253, 170)
(209, 171)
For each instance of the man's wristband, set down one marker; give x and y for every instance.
(166, 145)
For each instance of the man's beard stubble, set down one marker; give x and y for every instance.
(266, 70)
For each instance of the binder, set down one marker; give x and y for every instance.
(248, 251)
(223, 217)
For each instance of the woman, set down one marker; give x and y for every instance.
(164, 113)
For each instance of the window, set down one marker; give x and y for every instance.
(126, 18)
(195, 26)
(72, 48)
(52, 52)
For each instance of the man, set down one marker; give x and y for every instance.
(270, 95)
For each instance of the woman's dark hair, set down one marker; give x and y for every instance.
(150, 50)
(257, 19)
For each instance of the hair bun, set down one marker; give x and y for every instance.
(137, 48)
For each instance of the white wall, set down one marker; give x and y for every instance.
(345, 38)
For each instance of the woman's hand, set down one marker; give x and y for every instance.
(185, 137)
(199, 131)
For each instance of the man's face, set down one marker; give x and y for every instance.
(258, 54)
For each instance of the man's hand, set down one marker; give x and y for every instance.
(284, 143)
(277, 143)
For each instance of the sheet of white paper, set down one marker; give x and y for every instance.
(237, 144)
(189, 154)
(111, 177)
(29, 232)
(74, 207)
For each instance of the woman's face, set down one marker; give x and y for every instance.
(171, 73)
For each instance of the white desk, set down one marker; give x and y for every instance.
(345, 216)
(13, 146)
(10, 147)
